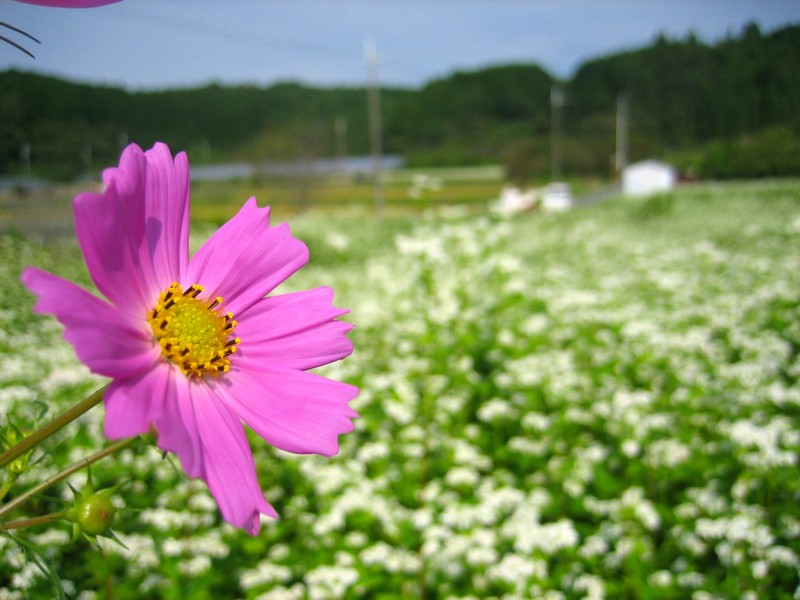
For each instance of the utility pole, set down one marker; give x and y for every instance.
(621, 155)
(374, 108)
(86, 156)
(340, 142)
(557, 102)
(25, 156)
(122, 140)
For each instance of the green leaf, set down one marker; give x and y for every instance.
(40, 560)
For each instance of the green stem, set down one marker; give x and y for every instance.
(33, 521)
(66, 473)
(38, 436)
(424, 476)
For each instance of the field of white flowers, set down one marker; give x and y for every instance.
(596, 404)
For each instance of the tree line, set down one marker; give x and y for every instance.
(727, 109)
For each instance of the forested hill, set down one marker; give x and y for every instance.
(695, 102)
(684, 94)
(56, 117)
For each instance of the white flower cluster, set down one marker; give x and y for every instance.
(545, 402)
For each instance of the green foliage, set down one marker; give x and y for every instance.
(775, 151)
(478, 112)
(655, 206)
(683, 94)
(62, 121)
(599, 401)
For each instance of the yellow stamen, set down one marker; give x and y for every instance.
(192, 332)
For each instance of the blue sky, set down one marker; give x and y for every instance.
(152, 44)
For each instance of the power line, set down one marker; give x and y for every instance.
(239, 36)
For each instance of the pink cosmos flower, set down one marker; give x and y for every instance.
(57, 3)
(193, 346)
(70, 3)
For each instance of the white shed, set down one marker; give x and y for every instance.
(647, 177)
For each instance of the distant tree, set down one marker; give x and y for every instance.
(474, 115)
(684, 95)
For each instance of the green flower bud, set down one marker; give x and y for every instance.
(92, 514)
(95, 514)
(19, 466)
(13, 435)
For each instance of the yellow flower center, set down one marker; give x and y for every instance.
(193, 333)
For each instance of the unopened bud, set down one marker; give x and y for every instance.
(95, 514)
(19, 466)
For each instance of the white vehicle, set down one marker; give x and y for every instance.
(556, 196)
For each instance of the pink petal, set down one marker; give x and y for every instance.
(105, 339)
(176, 421)
(194, 422)
(110, 230)
(161, 398)
(69, 3)
(132, 404)
(229, 469)
(167, 213)
(246, 259)
(295, 331)
(134, 236)
(293, 410)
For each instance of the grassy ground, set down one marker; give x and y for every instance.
(216, 202)
(46, 213)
